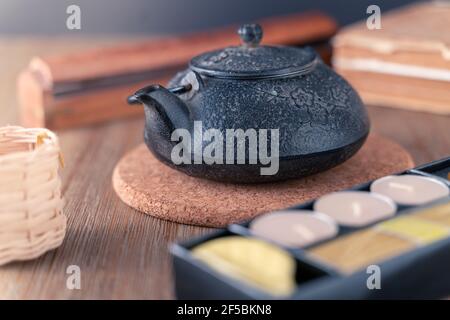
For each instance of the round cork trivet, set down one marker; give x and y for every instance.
(147, 185)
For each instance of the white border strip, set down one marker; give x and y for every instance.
(378, 66)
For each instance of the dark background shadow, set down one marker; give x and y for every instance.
(164, 16)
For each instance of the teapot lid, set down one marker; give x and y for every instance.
(252, 61)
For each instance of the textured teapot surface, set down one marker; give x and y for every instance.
(319, 118)
(314, 113)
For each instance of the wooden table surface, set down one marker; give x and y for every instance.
(122, 254)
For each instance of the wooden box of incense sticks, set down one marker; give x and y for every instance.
(406, 63)
(90, 87)
(385, 239)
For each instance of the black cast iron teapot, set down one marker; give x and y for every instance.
(253, 113)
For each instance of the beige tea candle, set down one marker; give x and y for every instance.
(355, 208)
(410, 189)
(295, 228)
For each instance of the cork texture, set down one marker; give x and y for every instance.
(147, 185)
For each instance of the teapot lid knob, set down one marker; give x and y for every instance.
(251, 34)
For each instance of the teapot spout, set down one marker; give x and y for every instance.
(172, 111)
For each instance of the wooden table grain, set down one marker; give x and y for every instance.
(123, 254)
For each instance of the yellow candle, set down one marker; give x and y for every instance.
(250, 260)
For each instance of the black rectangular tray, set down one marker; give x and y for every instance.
(420, 273)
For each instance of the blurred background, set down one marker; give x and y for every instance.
(159, 17)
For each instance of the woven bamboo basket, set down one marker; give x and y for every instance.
(31, 218)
